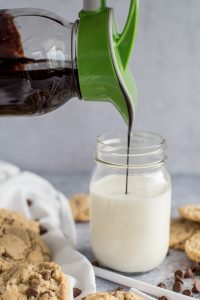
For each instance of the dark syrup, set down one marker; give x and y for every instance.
(29, 86)
(129, 132)
(130, 127)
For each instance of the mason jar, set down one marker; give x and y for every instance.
(130, 231)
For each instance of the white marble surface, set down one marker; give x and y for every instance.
(186, 188)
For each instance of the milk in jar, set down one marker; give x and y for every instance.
(130, 232)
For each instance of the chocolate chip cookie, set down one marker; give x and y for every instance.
(116, 295)
(192, 247)
(181, 230)
(9, 217)
(80, 207)
(43, 281)
(18, 244)
(190, 212)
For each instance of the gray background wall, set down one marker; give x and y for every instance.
(166, 65)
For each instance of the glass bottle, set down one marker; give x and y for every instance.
(45, 60)
(130, 232)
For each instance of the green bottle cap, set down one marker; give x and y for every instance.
(103, 55)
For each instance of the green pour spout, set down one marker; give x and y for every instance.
(104, 53)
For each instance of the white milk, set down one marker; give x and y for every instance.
(130, 233)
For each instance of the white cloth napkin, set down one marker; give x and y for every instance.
(52, 209)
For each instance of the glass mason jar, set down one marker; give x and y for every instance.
(130, 232)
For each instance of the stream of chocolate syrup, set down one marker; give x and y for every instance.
(130, 127)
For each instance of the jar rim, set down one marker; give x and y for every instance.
(105, 138)
(146, 149)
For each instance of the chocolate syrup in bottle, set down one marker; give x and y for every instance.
(33, 92)
(32, 87)
(29, 86)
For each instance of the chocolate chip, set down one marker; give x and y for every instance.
(95, 263)
(197, 272)
(46, 275)
(177, 287)
(189, 274)
(196, 269)
(76, 292)
(187, 293)
(29, 202)
(6, 255)
(196, 287)
(118, 289)
(162, 285)
(162, 298)
(43, 229)
(178, 279)
(31, 293)
(179, 273)
(193, 268)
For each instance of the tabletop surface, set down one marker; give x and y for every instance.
(186, 189)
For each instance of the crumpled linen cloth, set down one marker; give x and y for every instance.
(52, 209)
